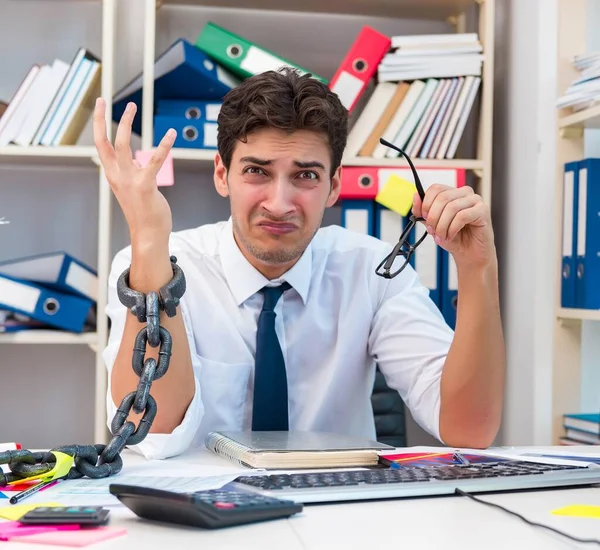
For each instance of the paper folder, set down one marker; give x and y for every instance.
(239, 55)
(359, 216)
(359, 66)
(180, 72)
(60, 310)
(569, 234)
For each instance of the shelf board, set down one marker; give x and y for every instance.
(40, 336)
(65, 154)
(467, 164)
(208, 155)
(579, 314)
(404, 9)
(587, 118)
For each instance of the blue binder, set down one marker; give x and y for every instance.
(389, 226)
(448, 287)
(57, 309)
(195, 134)
(57, 270)
(181, 72)
(359, 215)
(189, 109)
(569, 234)
(587, 289)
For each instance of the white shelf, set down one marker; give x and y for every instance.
(406, 9)
(579, 314)
(587, 118)
(193, 155)
(36, 336)
(63, 155)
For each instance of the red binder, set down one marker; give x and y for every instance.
(363, 182)
(359, 66)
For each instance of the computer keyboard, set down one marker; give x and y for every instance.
(417, 480)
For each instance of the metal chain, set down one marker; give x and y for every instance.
(98, 461)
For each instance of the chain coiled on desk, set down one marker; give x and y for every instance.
(98, 461)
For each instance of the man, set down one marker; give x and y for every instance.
(280, 144)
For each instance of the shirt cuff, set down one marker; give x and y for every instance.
(158, 445)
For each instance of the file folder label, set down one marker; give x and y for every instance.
(390, 225)
(347, 87)
(357, 220)
(426, 259)
(258, 61)
(82, 280)
(18, 296)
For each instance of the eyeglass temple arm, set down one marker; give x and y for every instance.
(418, 183)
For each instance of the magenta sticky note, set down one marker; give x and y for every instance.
(75, 539)
(11, 530)
(165, 175)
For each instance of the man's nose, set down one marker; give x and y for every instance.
(279, 200)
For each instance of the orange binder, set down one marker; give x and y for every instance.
(359, 66)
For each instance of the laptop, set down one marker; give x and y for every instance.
(418, 479)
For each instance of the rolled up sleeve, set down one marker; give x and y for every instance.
(410, 340)
(154, 445)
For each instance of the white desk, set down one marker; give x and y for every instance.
(445, 523)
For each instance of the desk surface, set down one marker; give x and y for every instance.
(450, 522)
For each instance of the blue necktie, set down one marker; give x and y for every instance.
(270, 407)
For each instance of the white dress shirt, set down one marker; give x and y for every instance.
(335, 325)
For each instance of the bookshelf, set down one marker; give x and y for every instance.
(570, 146)
(454, 12)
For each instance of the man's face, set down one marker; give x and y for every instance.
(279, 186)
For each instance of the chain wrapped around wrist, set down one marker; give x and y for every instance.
(98, 461)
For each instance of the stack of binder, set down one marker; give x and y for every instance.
(581, 235)
(191, 80)
(53, 290)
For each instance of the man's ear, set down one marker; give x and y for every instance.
(220, 177)
(336, 187)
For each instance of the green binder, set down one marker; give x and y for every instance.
(239, 55)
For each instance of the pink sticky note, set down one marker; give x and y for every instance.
(165, 175)
(76, 539)
(11, 530)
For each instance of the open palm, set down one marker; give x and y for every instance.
(145, 208)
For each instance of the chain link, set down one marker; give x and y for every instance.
(98, 461)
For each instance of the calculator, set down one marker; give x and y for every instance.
(57, 515)
(209, 509)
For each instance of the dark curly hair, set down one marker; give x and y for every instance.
(285, 100)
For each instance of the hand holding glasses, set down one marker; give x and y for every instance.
(403, 248)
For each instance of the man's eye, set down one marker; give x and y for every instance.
(309, 175)
(253, 170)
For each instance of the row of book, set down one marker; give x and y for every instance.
(584, 91)
(47, 291)
(580, 270)
(53, 103)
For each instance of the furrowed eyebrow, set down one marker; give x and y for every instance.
(256, 160)
(309, 164)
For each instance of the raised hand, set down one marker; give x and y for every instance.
(144, 206)
(460, 223)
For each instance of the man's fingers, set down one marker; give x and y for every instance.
(454, 210)
(123, 137)
(160, 154)
(103, 145)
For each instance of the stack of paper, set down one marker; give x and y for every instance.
(585, 89)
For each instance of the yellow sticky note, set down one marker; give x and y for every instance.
(17, 511)
(579, 510)
(397, 194)
(61, 469)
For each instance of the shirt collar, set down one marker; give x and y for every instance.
(245, 280)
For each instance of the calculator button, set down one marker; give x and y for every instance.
(224, 505)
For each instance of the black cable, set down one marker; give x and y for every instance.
(533, 523)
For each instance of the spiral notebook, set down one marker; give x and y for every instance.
(284, 450)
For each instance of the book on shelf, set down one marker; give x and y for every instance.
(53, 102)
(581, 429)
(294, 449)
(584, 90)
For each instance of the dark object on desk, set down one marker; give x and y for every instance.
(389, 412)
(207, 509)
(419, 481)
(61, 515)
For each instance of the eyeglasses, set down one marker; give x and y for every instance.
(403, 248)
